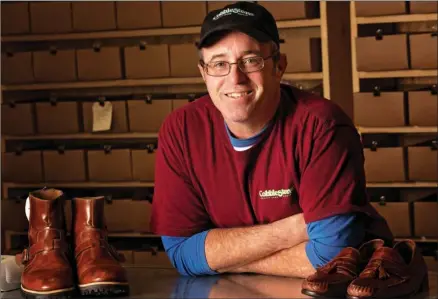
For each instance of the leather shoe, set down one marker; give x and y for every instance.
(333, 279)
(392, 273)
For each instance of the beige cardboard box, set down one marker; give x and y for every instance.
(143, 165)
(54, 66)
(13, 215)
(291, 10)
(183, 13)
(371, 8)
(138, 14)
(423, 7)
(64, 166)
(17, 119)
(379, 110)
(126, 215)
(215, 5)
(24, 167)
(119, 122)
(423, 108)
(57, 118)
(111, 165)
(179, 103)
(184, 61)
(128, 256)
(94, 16)
(99, 64)
(384, 164)
(397, 216)
(51, 17)
(426, 219)
(147, 116)
(423, 163)
(149, 61)
(15, 17)
(424, 51)
(17, 68)
(389, 53)
(303, 54)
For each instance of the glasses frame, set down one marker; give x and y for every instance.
(238, 63)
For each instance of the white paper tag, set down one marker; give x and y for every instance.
(102, 116)
(27, 208)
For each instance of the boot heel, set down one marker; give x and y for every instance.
(424, 285)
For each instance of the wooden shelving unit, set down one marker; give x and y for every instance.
(137, 83)
(418, 77)
(403, 185)
(134, 184)
(84, 136)
(398, 130)
(407, 18)
(101, 35)
(9, 235)
(168, 85)
(134, 136)
(398, 74)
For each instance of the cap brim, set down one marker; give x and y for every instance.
(252, 32)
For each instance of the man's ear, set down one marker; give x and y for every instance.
(281, 65)
(201, 70)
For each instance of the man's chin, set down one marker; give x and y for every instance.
(237, 119)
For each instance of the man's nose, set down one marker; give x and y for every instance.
(236, 76)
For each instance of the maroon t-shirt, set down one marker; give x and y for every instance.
(310, 159)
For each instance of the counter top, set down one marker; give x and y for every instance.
(167, 283)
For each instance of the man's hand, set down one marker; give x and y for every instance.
(231, 248)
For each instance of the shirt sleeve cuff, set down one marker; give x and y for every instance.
(200, 244)
(314, 258)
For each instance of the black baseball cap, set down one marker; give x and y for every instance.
(247, 17)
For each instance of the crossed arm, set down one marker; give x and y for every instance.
(276, 249)
(287, 247)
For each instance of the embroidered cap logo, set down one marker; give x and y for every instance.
(228, 11)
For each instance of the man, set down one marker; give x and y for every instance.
(257, 176)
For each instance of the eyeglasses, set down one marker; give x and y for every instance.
(246, 65)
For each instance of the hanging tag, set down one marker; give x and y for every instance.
(102, 116)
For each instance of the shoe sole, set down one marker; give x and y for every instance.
(104, 289)
(55, 294)
(318, 295)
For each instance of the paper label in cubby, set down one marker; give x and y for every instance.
(102, 116)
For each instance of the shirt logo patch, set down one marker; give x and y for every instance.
(275, 194)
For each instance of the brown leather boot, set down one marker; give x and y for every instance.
(332, 280)
(97, 262)
(48, 269)
(398, 272)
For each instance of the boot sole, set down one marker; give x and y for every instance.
(318, 295)
(104, 289)
(55, 294)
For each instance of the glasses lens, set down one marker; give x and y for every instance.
(218, 68)
(251, 64)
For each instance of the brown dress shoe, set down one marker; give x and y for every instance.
(392, 273)
(48, 269)
(98, 264)
(332, 279)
